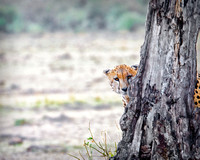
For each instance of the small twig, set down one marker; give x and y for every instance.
(93, 138)
(115, 147)
(106, 147)
(101, 145)
(86, 149)
(81, 155)
(97, 150)
(73, 156)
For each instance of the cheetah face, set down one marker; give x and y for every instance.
(119, 78)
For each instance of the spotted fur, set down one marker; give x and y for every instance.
(119, 81)
(119, 78)
(197, 93)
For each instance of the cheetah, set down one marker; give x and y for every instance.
(197, 92)
(119, 79)
(120, 76)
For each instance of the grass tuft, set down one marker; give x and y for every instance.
(91, 146)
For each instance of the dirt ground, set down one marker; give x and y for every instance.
(52, 86)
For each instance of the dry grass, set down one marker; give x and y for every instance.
(55, 83)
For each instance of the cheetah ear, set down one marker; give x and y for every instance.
(134, 67)
(106, 71)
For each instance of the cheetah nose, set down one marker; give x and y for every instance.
(124, 89)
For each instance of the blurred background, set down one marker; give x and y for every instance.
(76, 16)
(52, 57)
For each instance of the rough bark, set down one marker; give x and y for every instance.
(198, 54)
(161, 122)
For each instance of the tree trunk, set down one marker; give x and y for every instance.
(160, 122)
(198, 54)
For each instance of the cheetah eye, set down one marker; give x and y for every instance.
(129, 76)
(116, 79)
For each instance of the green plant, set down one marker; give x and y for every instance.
(34, 27)
(74, 18)
(10, 19)
(20, 122)
(129, 20)
(48, 103)
(113, 15)
(92, 145)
